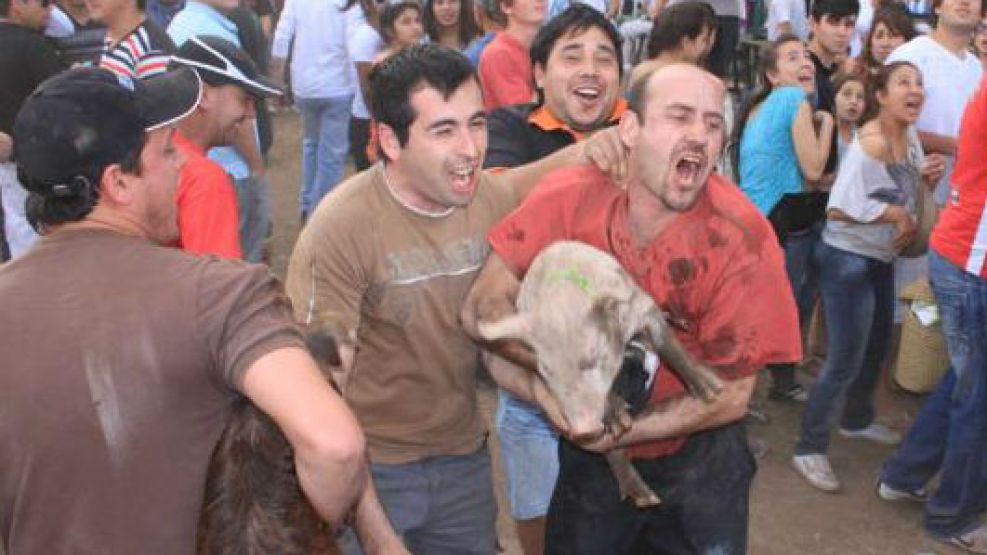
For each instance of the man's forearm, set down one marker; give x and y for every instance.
(330, 481)
(684, 415)
(372, 526)
(516, 380)
(934, 142)
(245, 142)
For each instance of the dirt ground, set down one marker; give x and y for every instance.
(788, 516)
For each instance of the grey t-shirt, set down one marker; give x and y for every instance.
(863, 190)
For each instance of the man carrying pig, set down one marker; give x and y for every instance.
(710, 261)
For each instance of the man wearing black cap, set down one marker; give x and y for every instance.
(26, 59)
(242, 157)
(207, 201)
(122, 359)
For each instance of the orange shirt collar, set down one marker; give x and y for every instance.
(545, 120)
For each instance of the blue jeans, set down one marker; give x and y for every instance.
(529, 449)
(443, 505)
(254, 206)
(858, 300)
(325, 144)
(802, 271)
(950, 432)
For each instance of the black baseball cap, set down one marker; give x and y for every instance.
(81, 120)
(220, 62)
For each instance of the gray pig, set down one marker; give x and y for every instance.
(578, 309)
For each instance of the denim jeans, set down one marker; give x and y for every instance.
(254, 206)
(858, 300)
(950, 432)
(443, 505)
(803, 272)
(325, 144)
(529, 450)
(799, 248)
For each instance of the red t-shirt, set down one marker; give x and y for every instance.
(716, 271)
(960, 234)
(505, 73)
(208, 219)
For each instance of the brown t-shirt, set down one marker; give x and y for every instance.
(399, 279)
(120, 362)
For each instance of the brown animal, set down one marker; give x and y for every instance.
(253, 503)
(578, 309)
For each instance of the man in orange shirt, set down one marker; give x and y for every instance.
(710, 260)
(207, 201)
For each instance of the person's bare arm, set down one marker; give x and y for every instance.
(6, 147)
(684, 415)
(363, 76)
(604, 149)
(372, 527)
(276, 71)
(328, 444)
(904, 222)
(936, 143)
(245, 142)
(492, 298)
(812, 147)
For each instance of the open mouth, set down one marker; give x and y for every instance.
(461, 178)
(689, 166)
(587, 94)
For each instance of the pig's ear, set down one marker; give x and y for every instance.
(515, 326)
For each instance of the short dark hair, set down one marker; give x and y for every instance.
(468, 29)
(677, 22)
(393, 81)
(575, 19)
(834, 8)
(46, 207)
(390, 13)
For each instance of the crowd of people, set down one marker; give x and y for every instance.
(444, 145)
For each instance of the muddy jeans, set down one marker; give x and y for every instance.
(704, 489)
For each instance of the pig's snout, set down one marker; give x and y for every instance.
(586, 432)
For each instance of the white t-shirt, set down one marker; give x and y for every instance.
(950, 82)
(319, 60)
(364, 44)
(791, 11)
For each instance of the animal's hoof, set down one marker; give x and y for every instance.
(644, 502)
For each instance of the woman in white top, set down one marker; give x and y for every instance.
(870, 218)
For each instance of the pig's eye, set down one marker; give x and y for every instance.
(586, 364)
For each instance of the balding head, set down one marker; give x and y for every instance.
(643, 89)
(675, 132)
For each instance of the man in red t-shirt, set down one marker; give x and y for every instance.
(710, 260)
(207, 201)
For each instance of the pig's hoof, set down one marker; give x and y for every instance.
(646, 500)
